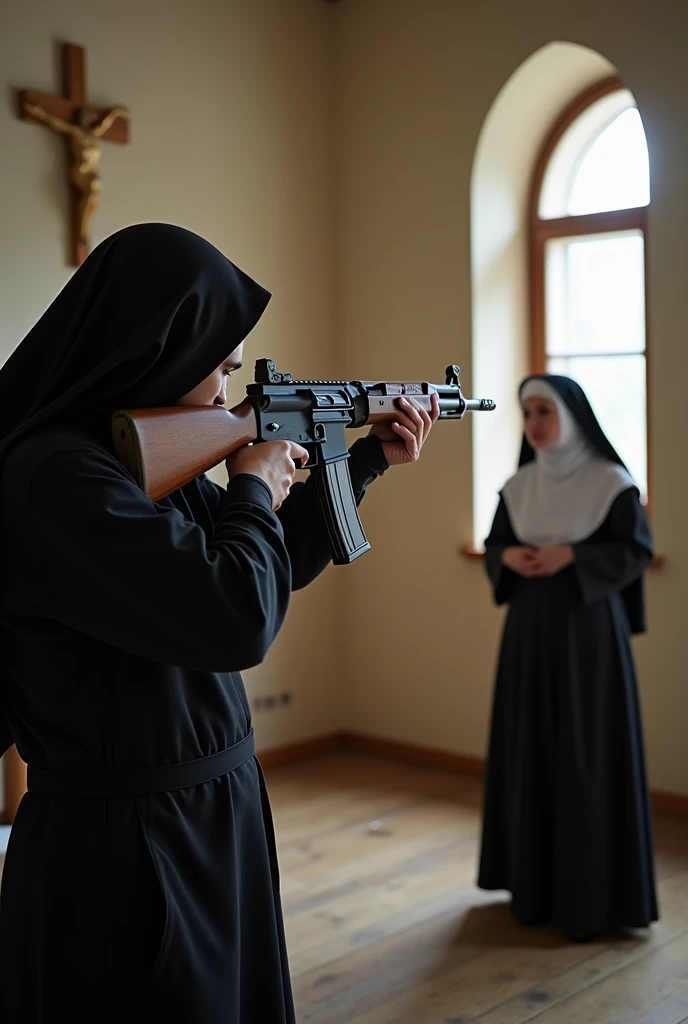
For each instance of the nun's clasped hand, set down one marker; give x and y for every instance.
(403, 439)
(551, 560)
(536, 563)
(519, 559)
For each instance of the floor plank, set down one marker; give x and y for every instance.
(385, 924)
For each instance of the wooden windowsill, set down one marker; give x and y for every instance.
(471, 551)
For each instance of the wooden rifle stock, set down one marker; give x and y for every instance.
(164, 449)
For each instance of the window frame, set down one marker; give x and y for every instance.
(540, 231)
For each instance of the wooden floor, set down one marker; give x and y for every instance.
(385, 925)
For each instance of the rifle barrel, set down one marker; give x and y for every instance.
(479, 405)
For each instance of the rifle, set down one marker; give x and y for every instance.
(164, 449)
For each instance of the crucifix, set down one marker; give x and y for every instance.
(84, 127)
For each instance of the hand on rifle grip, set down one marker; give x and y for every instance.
(273, 462)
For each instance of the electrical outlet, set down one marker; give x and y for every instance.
(271, 700)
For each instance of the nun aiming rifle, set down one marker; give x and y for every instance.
(164, 449)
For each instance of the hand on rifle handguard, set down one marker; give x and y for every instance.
(403, 439)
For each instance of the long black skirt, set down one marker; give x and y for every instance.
(164, 908)
(567, 823)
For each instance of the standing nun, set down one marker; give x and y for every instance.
(567, 826)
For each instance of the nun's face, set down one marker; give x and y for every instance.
(213, 390)
(540, 423)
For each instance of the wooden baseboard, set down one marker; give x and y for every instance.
(669, 803)
(301, 751)
(14, 784)
(408, 752)
(463, 764)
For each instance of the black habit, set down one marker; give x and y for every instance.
(567, 822)
(141, 880)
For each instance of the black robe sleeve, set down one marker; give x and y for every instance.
(504, 581)
(305, 532)
(110, 564)
(618, 553)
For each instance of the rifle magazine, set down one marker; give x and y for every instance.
(338, 504)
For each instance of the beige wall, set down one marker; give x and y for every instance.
(416, 81)
(231, 137)
(328, 150)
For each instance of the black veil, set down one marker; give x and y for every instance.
(577, 402)
(152, 311)
(150, 314)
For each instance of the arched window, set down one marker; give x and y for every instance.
(588, 224)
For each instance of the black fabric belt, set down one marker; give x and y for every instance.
(143, 781)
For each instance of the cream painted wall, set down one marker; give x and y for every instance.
(416, 81)
(328, 150)
(231, 137)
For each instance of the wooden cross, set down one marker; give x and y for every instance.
(84, 127)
